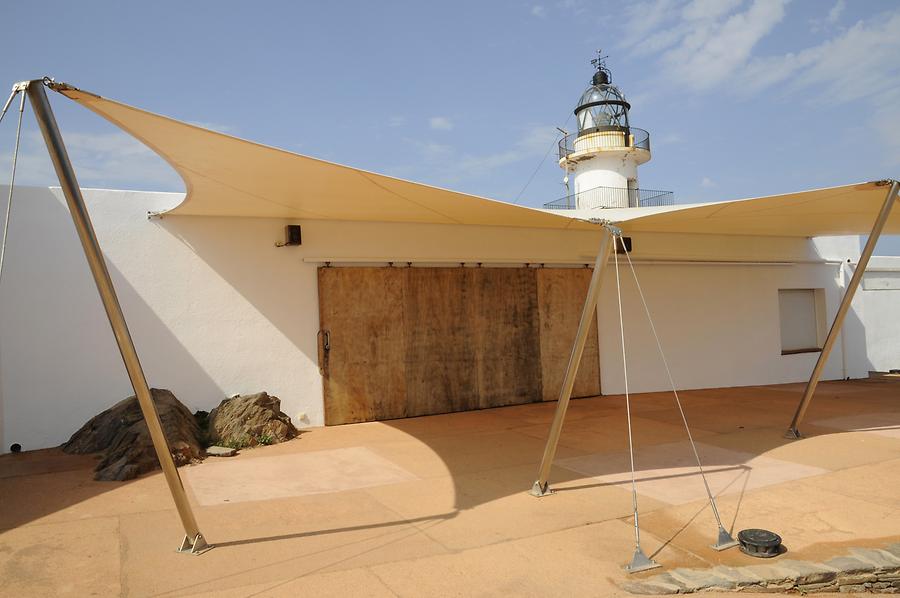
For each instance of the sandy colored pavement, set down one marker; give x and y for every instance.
(438, 506)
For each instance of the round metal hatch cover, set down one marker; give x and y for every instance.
(759, 543)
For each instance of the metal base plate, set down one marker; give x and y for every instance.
(640, 562)
(724, 541)
(196, 546)
(539, 490)
(793, 434)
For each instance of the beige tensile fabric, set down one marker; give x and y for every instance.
(227, 176)
(846, 210)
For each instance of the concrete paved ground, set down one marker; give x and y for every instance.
(437, 506)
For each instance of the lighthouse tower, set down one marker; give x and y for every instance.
(603, 155)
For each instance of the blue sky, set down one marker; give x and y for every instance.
(741, 97)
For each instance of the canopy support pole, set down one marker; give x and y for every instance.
(193, 542)
(793, 431)
(541, 486)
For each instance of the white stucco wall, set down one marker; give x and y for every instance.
(211, 305)
(216, 309)
(880, 294)
(719, 323)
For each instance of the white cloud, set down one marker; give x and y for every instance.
(440, 123)
(708, 44)
(707, 183)
(535, 141)
(539, 11)
(830, 20)
(859, 63)
(397, 121)
(714, 44)
(433, 150)
(708, 10)
(574, 7)
(100, 160)
(447, 166)
(705, 44)
(834, 15)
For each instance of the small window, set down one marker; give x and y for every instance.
(802, 314)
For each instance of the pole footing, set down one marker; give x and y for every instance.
(724, 541)
(196, 546)
(539, 490)
(793, 434)
(640, 562)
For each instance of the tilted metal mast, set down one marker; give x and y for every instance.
(837, 325)
(541, 486)
(194, 541)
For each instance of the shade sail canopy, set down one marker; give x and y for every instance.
(228, 176)
(846, 210)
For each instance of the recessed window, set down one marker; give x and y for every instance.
(802, 314)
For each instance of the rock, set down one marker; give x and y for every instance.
(695, 580)
(879, 558)
(804, 572)
(848, 564)
(739, 576)
(122, 434)
(220, 451)
(853, 589)
(827, 586)
(249, 420)
(651, 588)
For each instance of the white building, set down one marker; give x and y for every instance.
(403, 299)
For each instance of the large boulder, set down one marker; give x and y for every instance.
(249, 420)
(122, 433)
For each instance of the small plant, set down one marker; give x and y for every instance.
(247, 441)
(237, 442)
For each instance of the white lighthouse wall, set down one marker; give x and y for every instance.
(216, 309)
(612, 170)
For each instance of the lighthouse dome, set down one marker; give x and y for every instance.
(602, 107)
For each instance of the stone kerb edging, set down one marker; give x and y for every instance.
(861, 570)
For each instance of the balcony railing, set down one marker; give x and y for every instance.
(604, 138)
(612, 197)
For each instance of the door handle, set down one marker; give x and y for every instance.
(323, 338)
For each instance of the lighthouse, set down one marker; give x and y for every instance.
(602, 157)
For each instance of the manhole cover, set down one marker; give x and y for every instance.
(760, 543)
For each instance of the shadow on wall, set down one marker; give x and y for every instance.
(853, 339)
(272, 279)
(59, 364)
(260, 303)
